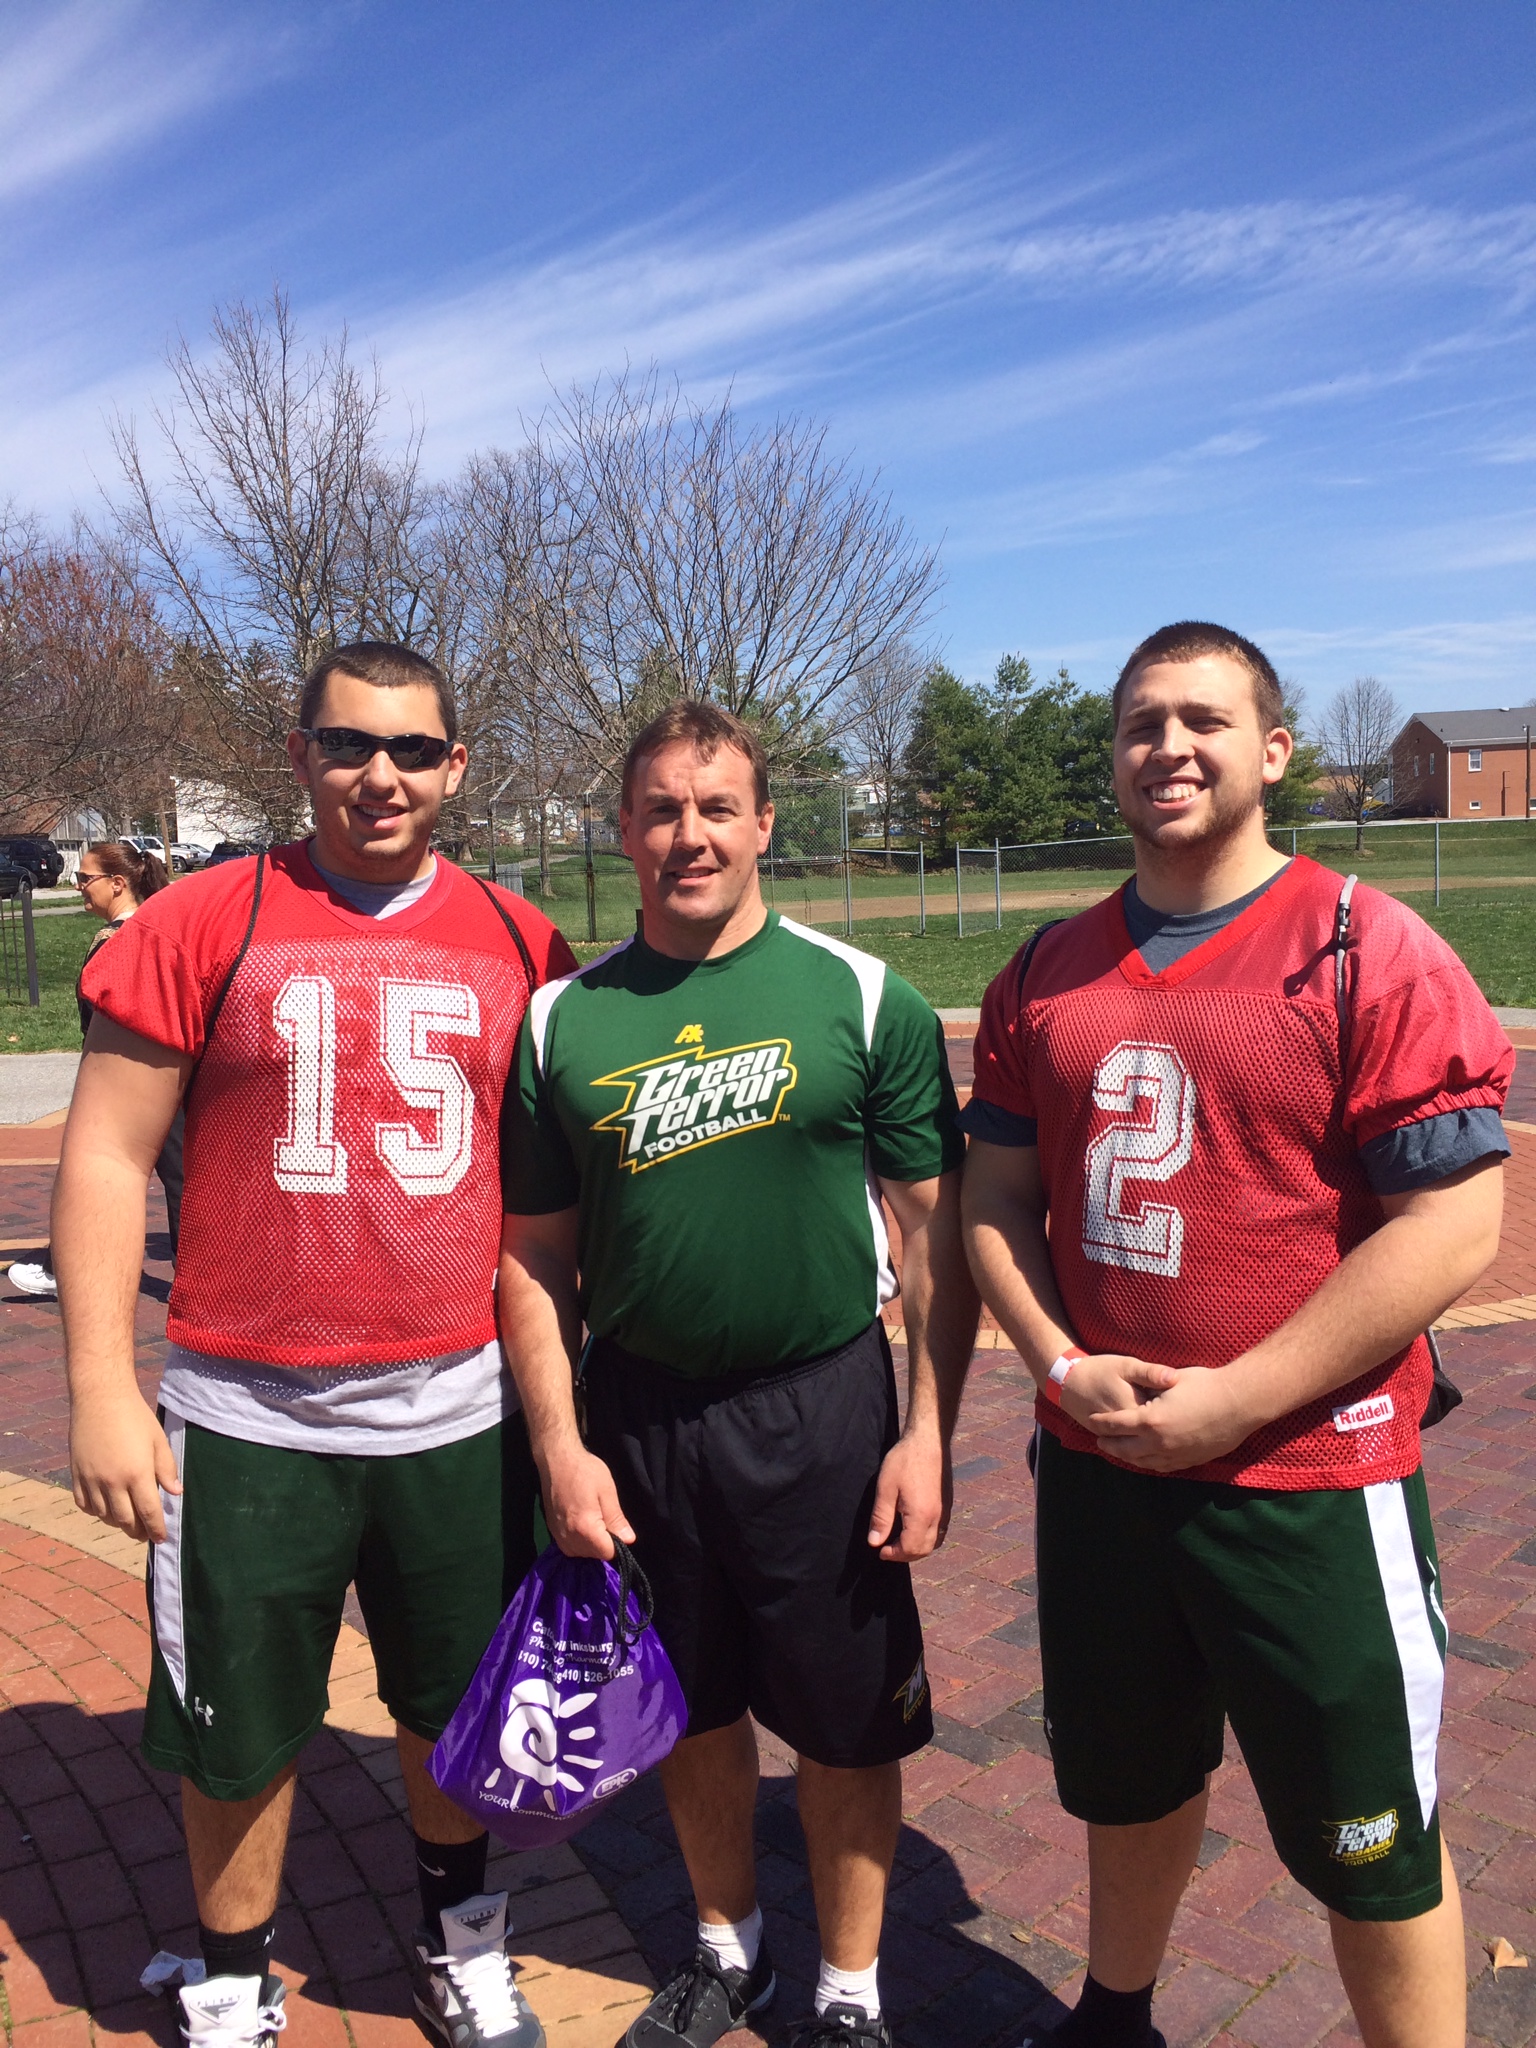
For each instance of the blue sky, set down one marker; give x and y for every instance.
(1140, 310)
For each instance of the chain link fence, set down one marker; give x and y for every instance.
(824, 867)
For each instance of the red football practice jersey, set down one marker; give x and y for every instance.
(1200, 1130)
(342, 1200)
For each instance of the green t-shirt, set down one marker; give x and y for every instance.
(719, 1122)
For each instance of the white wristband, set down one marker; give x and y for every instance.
(1055, 1379)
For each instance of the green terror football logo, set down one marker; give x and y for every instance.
(682, 1101)
(1362, 1841)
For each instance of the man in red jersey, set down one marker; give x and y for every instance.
(1232, 1153)
(339, 1016)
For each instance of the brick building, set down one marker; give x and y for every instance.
(1465, 764)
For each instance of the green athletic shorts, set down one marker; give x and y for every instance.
(246, 1593)
(1312, 1621)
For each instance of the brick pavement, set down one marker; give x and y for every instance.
(987, 1919)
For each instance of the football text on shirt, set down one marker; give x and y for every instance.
(684, 1100)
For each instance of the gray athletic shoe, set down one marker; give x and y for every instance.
(233, 2012)
(701, 2001)
(468, 1995)
(842, 2026)
(30, 1277)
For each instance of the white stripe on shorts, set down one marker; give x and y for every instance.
(1417, 1651)
(165, 1569)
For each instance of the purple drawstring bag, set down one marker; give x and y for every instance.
(573, 1699)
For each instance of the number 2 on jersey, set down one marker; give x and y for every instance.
(1142, 1237)
(309, 1159)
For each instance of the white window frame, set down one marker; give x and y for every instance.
(1474, 760)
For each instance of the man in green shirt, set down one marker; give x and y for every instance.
(704, 1122)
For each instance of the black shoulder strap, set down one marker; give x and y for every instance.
(228, 982)
(245, 946)
(1444, 1394)
(510, 922)
(1029, 950)
(1340, 948)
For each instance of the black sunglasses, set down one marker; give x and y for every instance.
(352, 748)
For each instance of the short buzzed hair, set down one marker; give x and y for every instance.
(707, 729)
(389, 667)
(1191, 638)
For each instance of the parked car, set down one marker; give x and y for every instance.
(186, 854)
(39, 856)
(231, 849)
(14, 882)
(146, 842)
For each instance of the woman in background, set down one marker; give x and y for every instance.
(114, 879)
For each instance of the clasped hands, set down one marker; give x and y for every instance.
(1161, 1418)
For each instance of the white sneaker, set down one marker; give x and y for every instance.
(469, 1995)
(233, 2012)
(32, 1278)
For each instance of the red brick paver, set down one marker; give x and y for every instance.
(93, 1879)
(988, 1918)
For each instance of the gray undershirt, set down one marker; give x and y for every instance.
(358, 1410)
(1413, 1156)
(375, 899)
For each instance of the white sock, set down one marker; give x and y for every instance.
(733, 1943)
(849, 1987)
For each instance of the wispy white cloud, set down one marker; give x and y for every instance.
(1441, 663)
(757, 306)
(1484, 540)
(86, 81)
(1067, 511)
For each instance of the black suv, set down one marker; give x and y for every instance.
(37, 856)
(230, 849)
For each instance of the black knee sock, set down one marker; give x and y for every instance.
(238, 1955)
(1108, 2019)
(448, 1873)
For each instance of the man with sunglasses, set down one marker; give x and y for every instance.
(340, 1016)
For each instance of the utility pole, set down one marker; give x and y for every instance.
(1527, 768)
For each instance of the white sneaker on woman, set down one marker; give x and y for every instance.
(31, 1277)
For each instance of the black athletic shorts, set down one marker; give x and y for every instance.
(750, 1499)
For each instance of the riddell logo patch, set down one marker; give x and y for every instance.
(684, 1100)
(1364, 1414)
(1361, 1841)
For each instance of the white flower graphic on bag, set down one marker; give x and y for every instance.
(532, 1734)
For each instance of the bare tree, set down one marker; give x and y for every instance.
(521, 668)
(1355, 737)
(879, 708)
(89, 715)
(679, 551)
(282, 528)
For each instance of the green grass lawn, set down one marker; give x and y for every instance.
(1493, 930)
(55, 1026)
(1495, 933)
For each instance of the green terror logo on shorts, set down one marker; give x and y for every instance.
(1362, 1841)
(678, 1102)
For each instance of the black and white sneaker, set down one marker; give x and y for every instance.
(468, 1995)
(842, 2026)
(701, 2001)
(233, 2012)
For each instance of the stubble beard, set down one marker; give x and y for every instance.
(1228, 814)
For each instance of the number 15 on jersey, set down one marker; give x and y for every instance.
(309, 1159)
